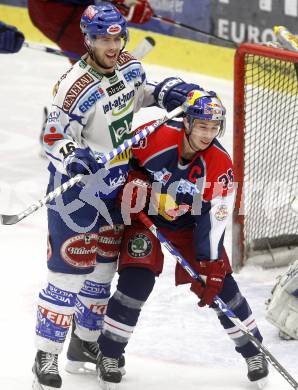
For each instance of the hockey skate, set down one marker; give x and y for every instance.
(45, 370)
(82, 356)
(108, 373)
(257, 370)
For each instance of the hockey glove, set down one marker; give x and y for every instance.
(215, 272)
(80, 161)
(172, 92)
(11, 40)
(135, 194)
(135, 11)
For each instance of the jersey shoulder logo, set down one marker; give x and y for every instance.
(125, 57)
(77, 87)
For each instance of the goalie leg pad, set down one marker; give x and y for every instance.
(282, 310)
(92, 302)
(55, 310)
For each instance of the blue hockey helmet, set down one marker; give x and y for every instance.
(103, 19)
(205, 105)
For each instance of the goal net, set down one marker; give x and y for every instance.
(265, 155)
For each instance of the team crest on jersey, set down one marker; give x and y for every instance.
(139, 245)
(221, 212)
(77, 87)
(80, 251)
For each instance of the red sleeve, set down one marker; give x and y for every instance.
(219, 173)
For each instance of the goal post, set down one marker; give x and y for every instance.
(265, 154)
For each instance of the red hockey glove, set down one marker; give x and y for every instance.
(135, 11)
(135, 194)
(215, 272)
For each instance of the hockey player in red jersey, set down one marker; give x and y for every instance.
(191, 176)
(59, 20)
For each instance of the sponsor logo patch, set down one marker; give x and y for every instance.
(90, 100)
(80, 251)
(53, 116)
(114, 29)
(132, 74)
(186, 187)
(124, 58)
(162, 176)
(109, 240)
(115, 88)
(121, 129)
(74, 91)
(62, 320)
(120, 105)
(139, 245)
(52, 136)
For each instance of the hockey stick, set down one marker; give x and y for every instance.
(52, 50)
(220, 304)
(191, 28)
(13, 219)
(140, 51)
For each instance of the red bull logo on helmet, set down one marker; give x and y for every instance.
(90, 12)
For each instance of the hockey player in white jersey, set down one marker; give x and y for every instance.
(282, 309)
(92, 113)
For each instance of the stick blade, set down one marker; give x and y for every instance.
(9, 219)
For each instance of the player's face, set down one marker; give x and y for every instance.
(106, 50)
(203, 133)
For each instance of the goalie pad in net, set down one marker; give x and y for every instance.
(282, 310)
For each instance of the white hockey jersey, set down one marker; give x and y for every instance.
(92, 110)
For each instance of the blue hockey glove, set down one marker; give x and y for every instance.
(172, 92)
(80, 161)
(11, 40)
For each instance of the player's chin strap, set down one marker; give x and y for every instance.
(217, 301)
(104, 158)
